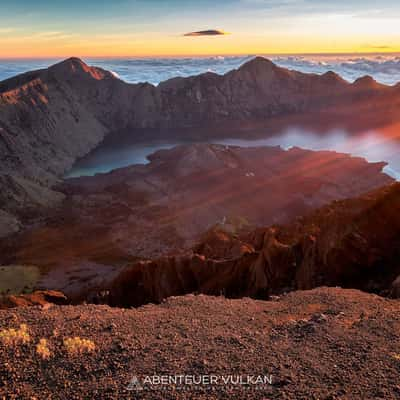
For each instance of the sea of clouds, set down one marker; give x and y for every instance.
(384, 68)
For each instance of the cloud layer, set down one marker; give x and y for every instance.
(384, 68)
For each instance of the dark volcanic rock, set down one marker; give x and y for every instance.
(164, 208)
(187, 190)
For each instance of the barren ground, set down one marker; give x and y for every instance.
(327, 343)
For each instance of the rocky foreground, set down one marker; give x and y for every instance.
(327, 343)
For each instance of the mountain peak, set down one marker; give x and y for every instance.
(72, 63)
(78, 68)
(73, 60)
(366, 81)
(257, 62)
(331, 76)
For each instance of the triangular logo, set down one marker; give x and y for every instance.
(134, 384)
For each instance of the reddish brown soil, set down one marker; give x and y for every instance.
(322, 344)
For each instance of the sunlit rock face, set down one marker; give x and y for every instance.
(350, 243)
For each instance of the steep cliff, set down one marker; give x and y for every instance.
(351, 243)
(46, 122)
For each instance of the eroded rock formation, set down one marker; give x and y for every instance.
(351, 243)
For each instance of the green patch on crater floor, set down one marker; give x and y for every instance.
(17, 279)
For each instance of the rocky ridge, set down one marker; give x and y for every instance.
(50, 118)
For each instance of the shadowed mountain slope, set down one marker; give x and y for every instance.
(49, 118)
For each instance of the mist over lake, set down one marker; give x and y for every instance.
(374, 146)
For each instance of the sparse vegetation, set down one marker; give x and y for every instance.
(42, 349)
(396, 356)
(78, 345)
(13, 337)
(73, 345)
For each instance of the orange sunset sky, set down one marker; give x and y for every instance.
(45, 28)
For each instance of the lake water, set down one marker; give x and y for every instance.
(373, 145)
(383, 145)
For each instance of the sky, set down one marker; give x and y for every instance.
(99, 28)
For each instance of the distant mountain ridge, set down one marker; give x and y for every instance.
(51, 117)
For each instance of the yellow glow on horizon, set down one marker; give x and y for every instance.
(112, 47)
(332, 34)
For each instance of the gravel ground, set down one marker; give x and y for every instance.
(327, 343)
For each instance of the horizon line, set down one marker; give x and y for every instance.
(45, 57)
